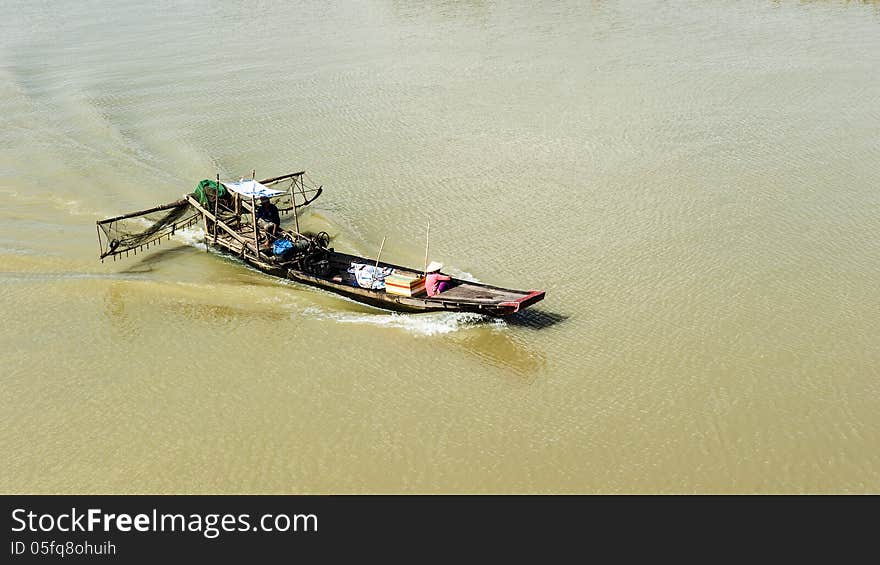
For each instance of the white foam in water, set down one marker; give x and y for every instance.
(194, 236)
(420, 324)
(72, 207)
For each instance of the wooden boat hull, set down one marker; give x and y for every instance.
(504, 302)
(381, 299)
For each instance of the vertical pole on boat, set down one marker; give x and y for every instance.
(205, 220)
(376, 268)
(207, 232)
(100, 244)
(216, 207)
(427, 239)
(293, 203)
(302, 187)
(254, 211)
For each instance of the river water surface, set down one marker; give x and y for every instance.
(694, 184)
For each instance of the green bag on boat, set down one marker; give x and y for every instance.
(202, 196)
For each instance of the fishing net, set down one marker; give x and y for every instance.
(133, 232)
(136, 231)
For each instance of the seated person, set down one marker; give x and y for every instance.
(267, 216)
(435, 283)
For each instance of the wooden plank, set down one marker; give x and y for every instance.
(227, 229)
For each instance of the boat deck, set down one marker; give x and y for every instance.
(460, 290)
(234, 245)
(464, 290)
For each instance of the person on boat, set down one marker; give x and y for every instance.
(435, 283)
(267, 216)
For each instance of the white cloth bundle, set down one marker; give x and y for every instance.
(368, 276)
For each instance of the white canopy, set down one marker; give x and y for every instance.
(252, 188)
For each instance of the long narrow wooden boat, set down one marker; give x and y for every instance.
(310, 260)
(463, 296)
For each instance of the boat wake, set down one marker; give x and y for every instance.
(194, 236)
(418, 324)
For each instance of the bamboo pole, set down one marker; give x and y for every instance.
(380, 251)
(207, 231)
(427, 239)
(168, 206)
(100, 244)
(376, 268)
(216, 206)
(302, 188)
(293, 203)
(282, 177)
(254, 213)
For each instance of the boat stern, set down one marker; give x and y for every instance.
(514, 306)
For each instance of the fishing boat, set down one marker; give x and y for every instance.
(227, 211)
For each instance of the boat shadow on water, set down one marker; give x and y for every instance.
(504, 351)
(512, 351)
(536, 318)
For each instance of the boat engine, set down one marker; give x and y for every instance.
(315, 261)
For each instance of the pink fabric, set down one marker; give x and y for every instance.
(432, 283)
